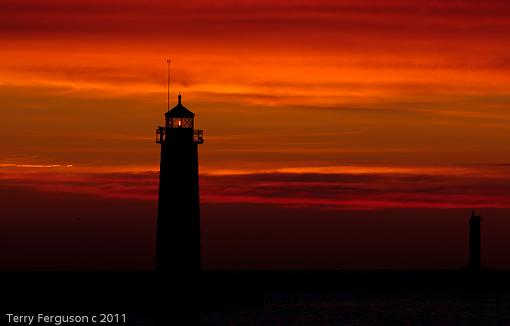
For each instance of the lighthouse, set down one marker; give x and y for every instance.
(178, 221)
(475, 262)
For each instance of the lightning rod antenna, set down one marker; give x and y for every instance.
(168, 86)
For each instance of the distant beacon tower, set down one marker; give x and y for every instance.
(475, 262)
(178, 223)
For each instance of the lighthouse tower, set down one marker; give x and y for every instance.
(178, 223)
(475, 262)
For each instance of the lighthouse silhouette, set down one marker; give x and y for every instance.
(178, 222)
(475, 262)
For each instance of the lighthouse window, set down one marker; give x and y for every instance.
(181, 123)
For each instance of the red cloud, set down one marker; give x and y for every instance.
(337, 191)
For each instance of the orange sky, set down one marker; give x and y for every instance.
(278, 84)
(415, 94)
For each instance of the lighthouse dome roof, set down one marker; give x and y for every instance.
(179, 111)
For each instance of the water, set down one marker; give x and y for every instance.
(313, 308)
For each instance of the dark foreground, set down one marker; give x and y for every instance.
(370, 308)
(262, 298)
